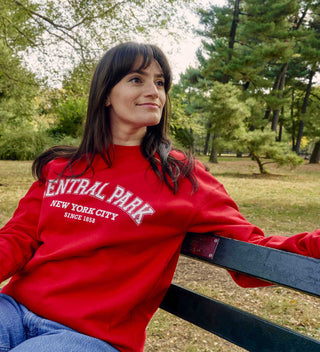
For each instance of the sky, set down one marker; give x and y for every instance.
(186, 54)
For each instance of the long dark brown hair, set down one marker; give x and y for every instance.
(97, 137)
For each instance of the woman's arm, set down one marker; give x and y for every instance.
(19, 237)
(218, 213)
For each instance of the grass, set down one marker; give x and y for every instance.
(284, 202)
(15, 180)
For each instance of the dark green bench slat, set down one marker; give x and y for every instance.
(243, 329)
(280, 267)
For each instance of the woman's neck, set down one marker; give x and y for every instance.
(128, 138)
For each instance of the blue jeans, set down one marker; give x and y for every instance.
(24, 331)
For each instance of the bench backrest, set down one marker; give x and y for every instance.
(239, 327)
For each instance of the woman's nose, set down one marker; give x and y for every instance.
(152, 90)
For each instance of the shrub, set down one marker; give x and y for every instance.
(71, 114)
(22, 143)
(264, 149)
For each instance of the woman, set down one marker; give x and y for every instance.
(93, 246)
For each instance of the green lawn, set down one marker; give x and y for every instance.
(284, 202)
(15, 180)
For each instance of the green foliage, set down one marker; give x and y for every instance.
(225, 112)
(76, 82)
(18, 89)
(19, 139)
(68, 140)
(264, 149)
(186, 117)
(183, 137)
(226, 109)
(70, 113)
(22, 143)
(15, 26)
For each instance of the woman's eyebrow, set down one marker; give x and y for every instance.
(143, 72)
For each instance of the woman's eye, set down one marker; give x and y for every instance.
(135, 80)
(160, 83)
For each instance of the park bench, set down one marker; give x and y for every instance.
(235, 325)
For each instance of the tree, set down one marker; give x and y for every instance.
(224, 112)
(18, 89)
(264, 149)
(312, 126)
(315, 156)
(17, 32)
(71, 113)
(186, 123)
(309, 55)
(65, 108)
(69, 32)
(21, 136)
(257, 38)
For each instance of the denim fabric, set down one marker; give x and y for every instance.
(24, 331)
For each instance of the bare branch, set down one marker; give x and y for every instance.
(98, 16)
(68, 28)
(24, 35)
(33, 13)
(315, 96)
(243, 44)
(298, 23)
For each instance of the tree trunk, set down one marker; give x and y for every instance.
(280, 132)
(259, 162)
(232, 36)
(261, 167)
(267, 113)
(213, 154)
(276, 85)
(295, 27)
(303, 112)
(206, 144)
(192, 143)
(308, 91)
(293, 140)
(315, 156)
(299, 137)
(299, 21)
(282, 79)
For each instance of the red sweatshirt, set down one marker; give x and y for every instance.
(97, 253)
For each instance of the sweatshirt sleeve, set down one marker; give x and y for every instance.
(218, 213)
(18, 238)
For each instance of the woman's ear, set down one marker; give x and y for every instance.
(108, 102)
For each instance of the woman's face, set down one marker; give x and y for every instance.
(136, 102)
